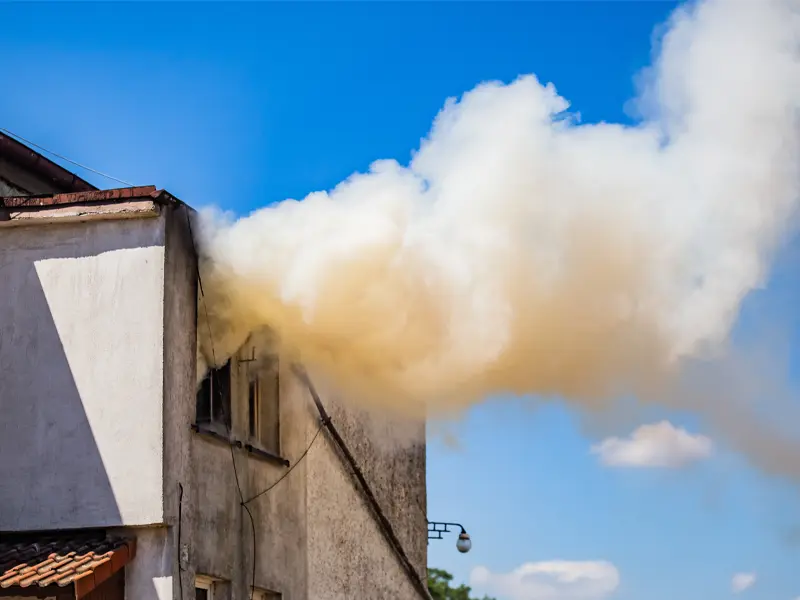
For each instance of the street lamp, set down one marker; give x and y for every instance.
(435, 531)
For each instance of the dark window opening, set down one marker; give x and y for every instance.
(252, 409)
(214, 397)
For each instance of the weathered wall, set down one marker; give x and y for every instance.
(347, 552)
(180, 316)
(81, 378)
(221, 534)
(216, 536)
(315, 536)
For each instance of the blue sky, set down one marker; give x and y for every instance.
(246, 104)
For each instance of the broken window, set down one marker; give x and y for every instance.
(214, 398)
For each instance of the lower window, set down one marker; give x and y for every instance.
(203, 588)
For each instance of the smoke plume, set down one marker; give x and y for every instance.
(523, 252)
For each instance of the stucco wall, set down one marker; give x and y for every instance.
(348, 554)
(150, 575)
(316, 539)
(180, 316)
(221, 534)
(97, 385)
(81, 378)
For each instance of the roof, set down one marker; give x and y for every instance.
(83, 559)
(25, 158)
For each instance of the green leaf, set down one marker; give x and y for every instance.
(439, 586)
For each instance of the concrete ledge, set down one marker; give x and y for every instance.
(70, 213)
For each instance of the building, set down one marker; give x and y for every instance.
(119, 478)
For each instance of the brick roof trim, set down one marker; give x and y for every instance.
(148, 192)
(84, 561)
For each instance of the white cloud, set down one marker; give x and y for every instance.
(550, 580)
(742, 581)
(659, 445)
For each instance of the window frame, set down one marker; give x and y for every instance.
(204, 582)
(261, 594)
(258, 434)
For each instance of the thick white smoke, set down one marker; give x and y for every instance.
(521, 251)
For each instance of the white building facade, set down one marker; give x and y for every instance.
(120, 480)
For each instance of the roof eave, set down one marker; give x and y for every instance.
(30, 160)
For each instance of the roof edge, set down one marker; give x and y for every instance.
(92, 579)
(113, 195)
(27, 158)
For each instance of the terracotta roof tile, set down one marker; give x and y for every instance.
(84, 560)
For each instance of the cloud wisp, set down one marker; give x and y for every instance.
(660, 445)
(742, 581)
(550, 580)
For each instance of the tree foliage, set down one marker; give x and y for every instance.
(439, 585)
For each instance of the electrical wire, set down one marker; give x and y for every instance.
(249, 514)
(180, 514)
(350, 461)
(64, 158)
(290, 469)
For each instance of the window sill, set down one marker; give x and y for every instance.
(254, 451)
(265, 455)
(211, 433)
